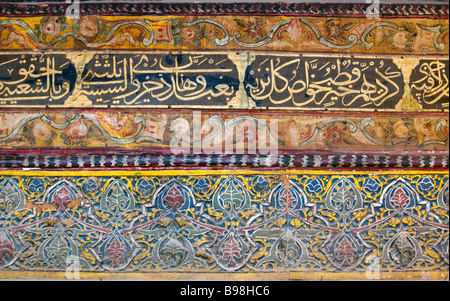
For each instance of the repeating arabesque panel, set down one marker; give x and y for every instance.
(207, 221)
(265, 85)
(215, 32)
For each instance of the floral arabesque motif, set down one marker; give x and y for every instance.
(116, 224)
(336, 30)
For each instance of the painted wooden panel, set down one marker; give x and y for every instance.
(209, 132)
(273, 33)
(243, 222)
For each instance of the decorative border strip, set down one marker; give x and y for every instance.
(100, 161)
(292, 9)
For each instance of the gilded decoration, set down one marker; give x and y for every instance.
(242, 141)
(243, 221)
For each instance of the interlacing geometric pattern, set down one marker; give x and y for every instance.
(235, 221)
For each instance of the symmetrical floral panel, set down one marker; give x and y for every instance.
(213, 222)
(159, 140)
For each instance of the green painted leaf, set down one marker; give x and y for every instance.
(240, 23)
(232, 196)
(64, 26)
(348, 26)
(44, 20)
(268, 233)
(61, 20)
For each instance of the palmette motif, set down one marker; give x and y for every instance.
(267, 221)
